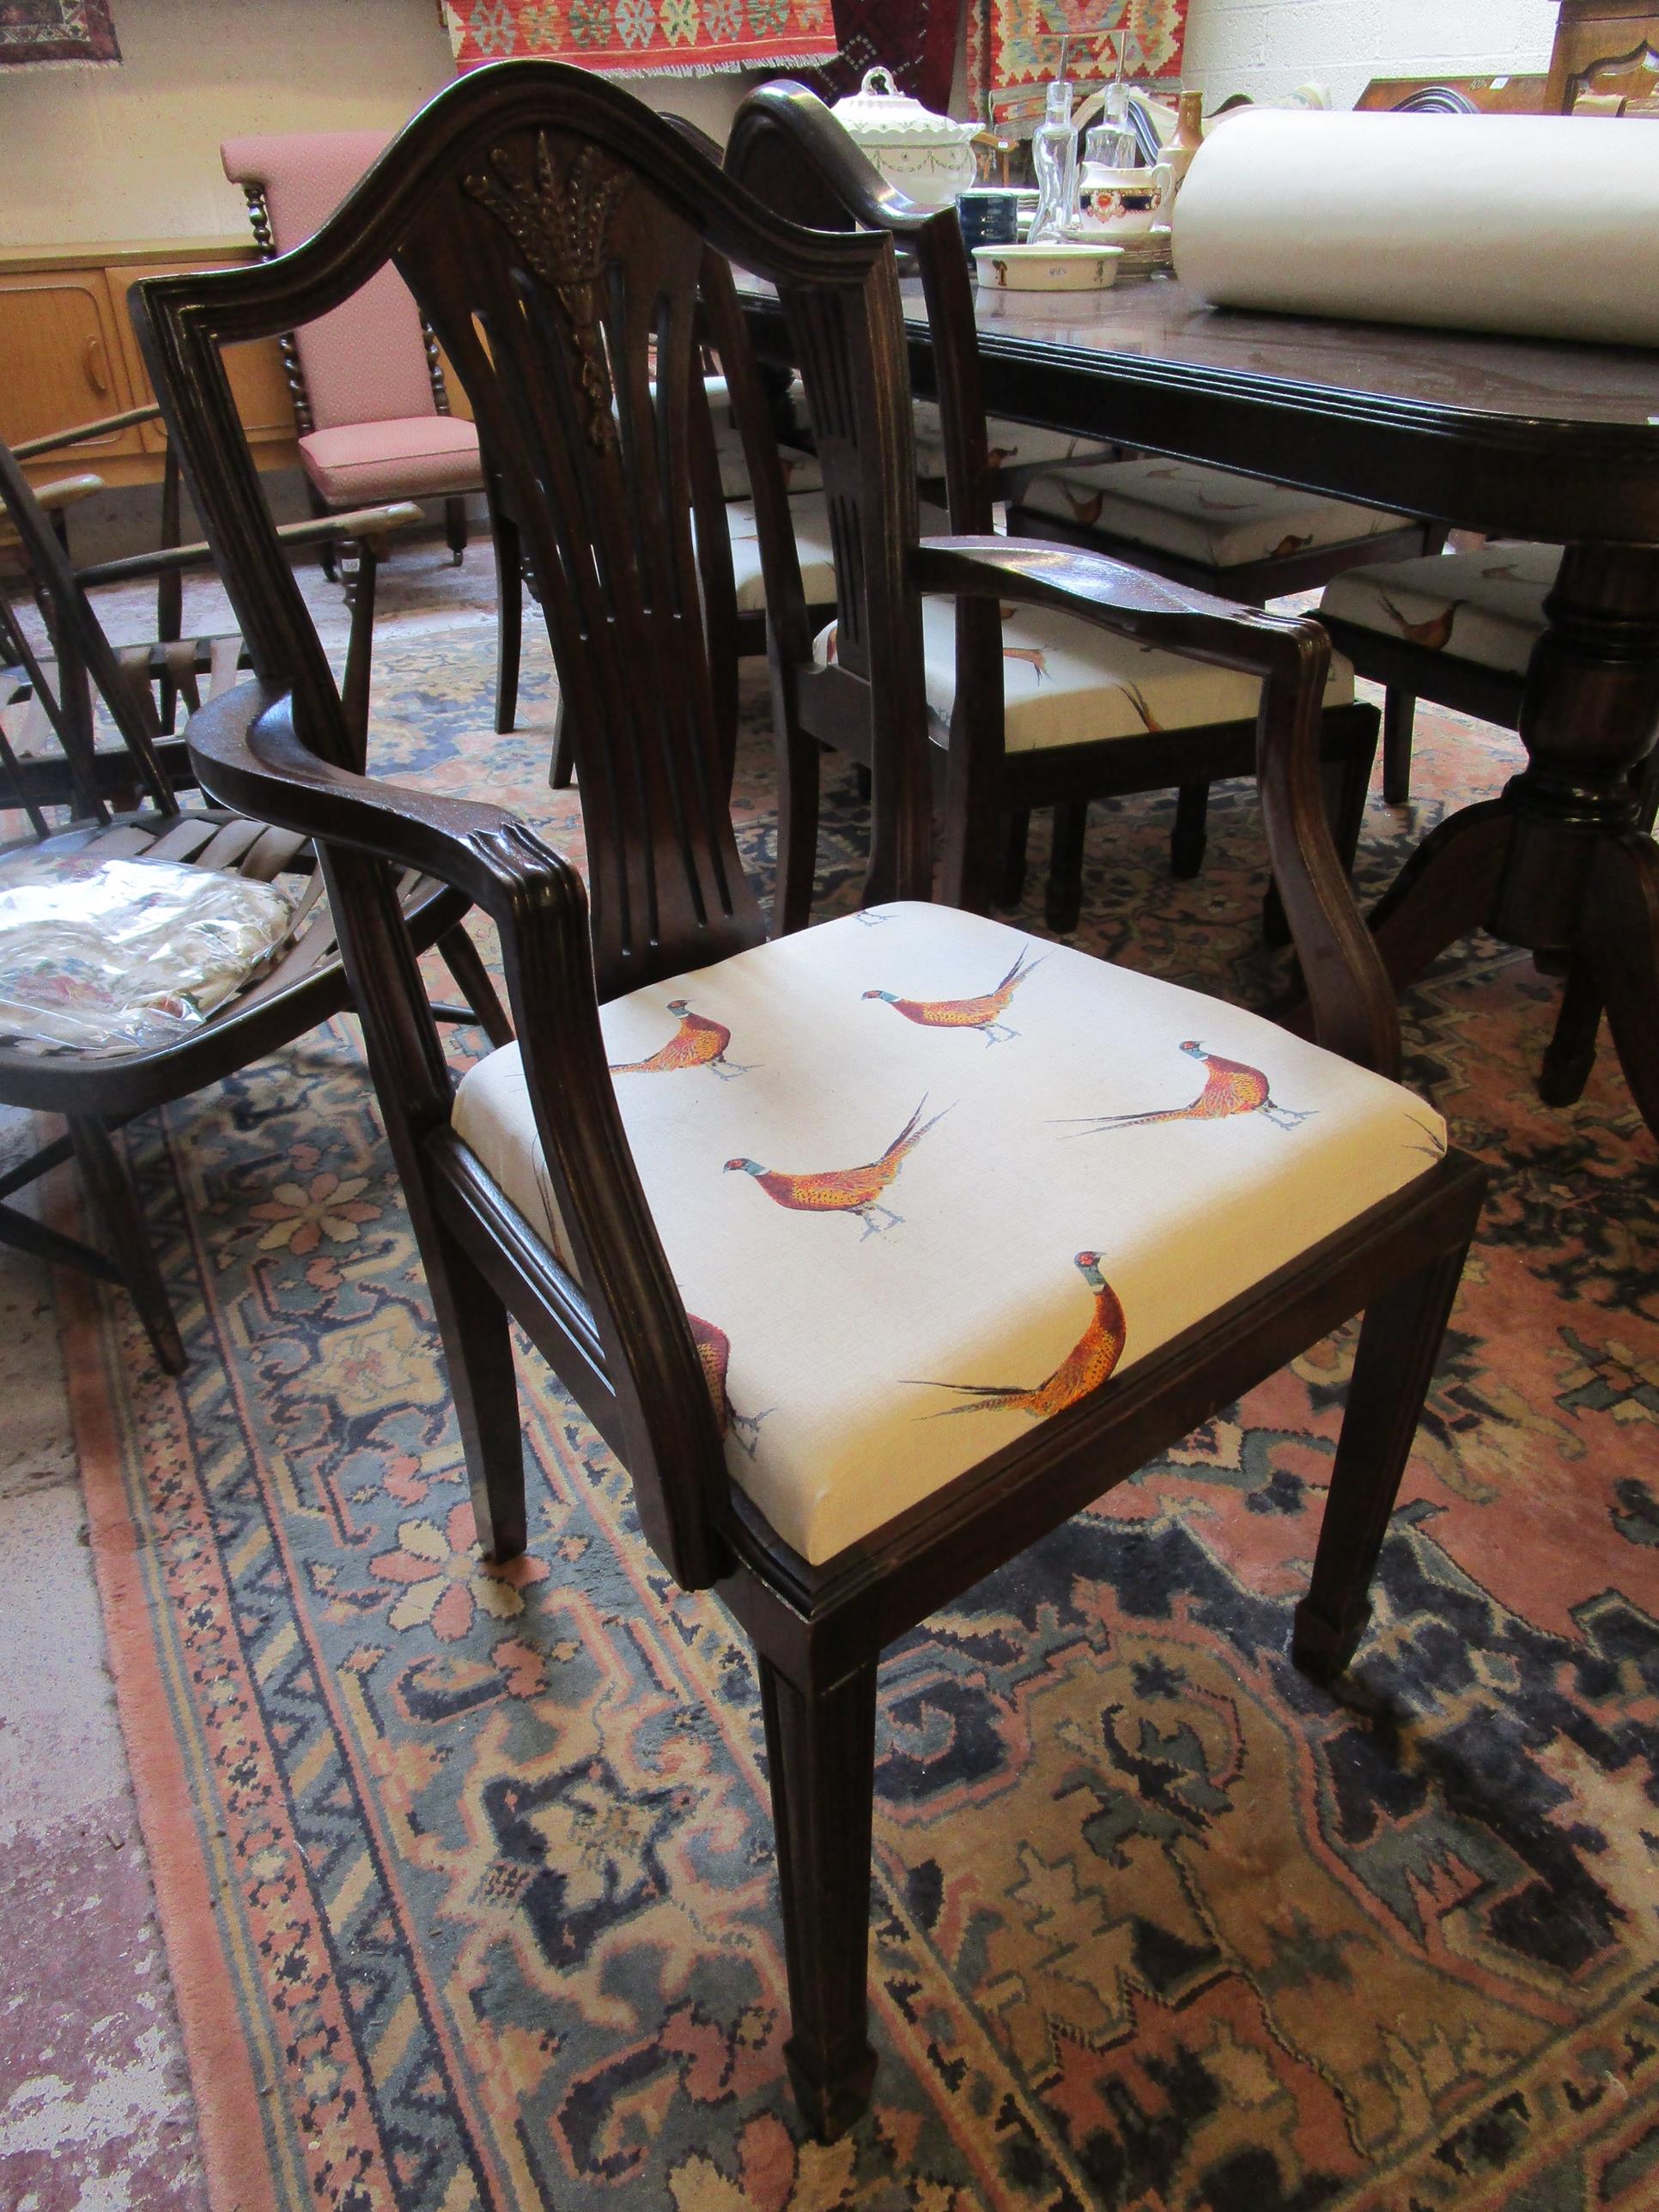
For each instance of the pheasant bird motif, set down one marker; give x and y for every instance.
(714, 1351)
(1084, 1368)
(698, 1042)
(844, 1190)
(1433, 634)
(984, 1014)
(1230, 1088)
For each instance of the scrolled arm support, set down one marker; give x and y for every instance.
(1352, 1007)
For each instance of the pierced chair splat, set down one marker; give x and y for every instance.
(722, 1183)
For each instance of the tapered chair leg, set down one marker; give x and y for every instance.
(1399, 715)
(460, 955)
(1064, 906)
(1190, 834)
(821, 1752)
(455, 528)
(509, 612)
(562, 766)
(108, 1180)
(1399, 1343)
(1016, 837)
(484, 1385)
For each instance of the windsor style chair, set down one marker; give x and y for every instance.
(742, 1334)
(70, 771)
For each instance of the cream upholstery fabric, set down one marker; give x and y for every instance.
(851, 1334)
(1064, 684)
(1199, 513)
(1011, 444)
(801, 469)
(418, 457)
(810, 516)
(1487, 606)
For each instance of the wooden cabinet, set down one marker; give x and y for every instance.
(68, 354)
(1604, 47)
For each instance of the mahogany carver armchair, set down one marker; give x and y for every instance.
(657, 1182)
(303, 981)
(1029, 707)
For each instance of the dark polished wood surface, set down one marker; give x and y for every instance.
(1515, 438)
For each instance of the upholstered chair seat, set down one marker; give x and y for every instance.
(1009, 445)
(1066, 685)
(1206, 516)
(417, 457)
(1486, 607)
(864, 1358)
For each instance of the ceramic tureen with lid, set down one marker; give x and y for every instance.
(927, 157)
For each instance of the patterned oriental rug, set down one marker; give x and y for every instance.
(56, 34)
(1015, 43)
(467, 1877)
(644, 38)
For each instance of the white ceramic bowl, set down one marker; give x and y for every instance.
(1046, 268)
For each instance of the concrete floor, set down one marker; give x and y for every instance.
(95, 2108)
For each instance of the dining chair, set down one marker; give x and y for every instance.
(876, 1250)
(370, 399)
(1029, 707)
(285, 979)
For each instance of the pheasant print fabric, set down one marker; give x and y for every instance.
(1199, 513)
(930, 1202)
(1487, 606)
(1064, 684)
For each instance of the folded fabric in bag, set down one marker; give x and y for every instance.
(1535, 226)
(123, 956)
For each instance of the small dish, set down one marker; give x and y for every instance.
(1056, 268)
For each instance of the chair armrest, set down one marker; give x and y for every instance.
(1354, 1007)
(66, 490)
(248, 755)
(359, 522)
(106, 426)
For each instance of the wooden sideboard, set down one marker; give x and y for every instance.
(68, 354)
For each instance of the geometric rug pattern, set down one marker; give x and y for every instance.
(468, 1877)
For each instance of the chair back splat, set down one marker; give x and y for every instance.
(569, 250)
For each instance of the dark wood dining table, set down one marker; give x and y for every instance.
(1512, 437)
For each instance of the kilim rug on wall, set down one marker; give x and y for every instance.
(1013, 43)
(644, 38)
(34, 32)
(467, 1877)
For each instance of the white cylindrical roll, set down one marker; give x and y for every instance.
(1538, 226)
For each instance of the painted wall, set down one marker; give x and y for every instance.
(133, 152)
(1267, 47)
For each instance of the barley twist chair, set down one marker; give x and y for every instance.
(660, 1181)
(370, 399)
(61, 766)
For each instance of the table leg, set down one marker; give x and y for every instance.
(1558, 863)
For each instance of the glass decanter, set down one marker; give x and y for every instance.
(1054, 157)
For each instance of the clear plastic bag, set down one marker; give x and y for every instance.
(124, 956)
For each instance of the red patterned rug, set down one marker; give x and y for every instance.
(644, 38)
(1012, 43)
(56, 32)
(467, 1877)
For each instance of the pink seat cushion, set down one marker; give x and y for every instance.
(361, 463)
(365, 362)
